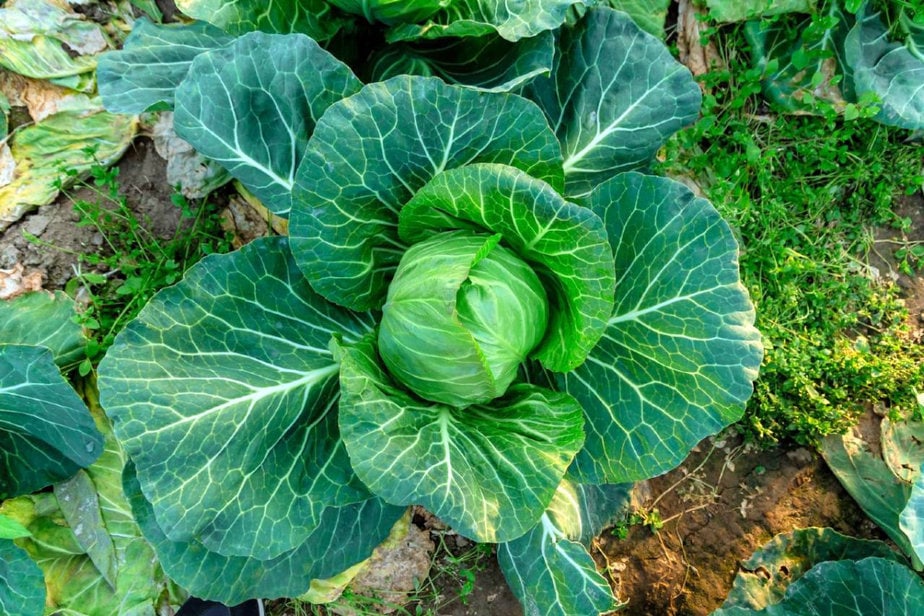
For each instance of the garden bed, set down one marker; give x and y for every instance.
(827, 225)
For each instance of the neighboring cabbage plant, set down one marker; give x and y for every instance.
(820, 572)
(482, 308)
(845, 52)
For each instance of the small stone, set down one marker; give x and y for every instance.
(37, 224)
(801, 455)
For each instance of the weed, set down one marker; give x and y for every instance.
(650, 518)
(805, 193)
(132, 264)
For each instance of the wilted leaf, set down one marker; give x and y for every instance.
(60, 149)
(40, 39)
(868, 587)
(903, 447)
(766, 575)
(196, 175)
(880, 494)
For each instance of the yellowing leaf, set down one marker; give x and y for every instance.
(45, 152)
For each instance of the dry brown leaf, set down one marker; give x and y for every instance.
(699, 58)
(41, 98)
(15, 282)
(242, 221)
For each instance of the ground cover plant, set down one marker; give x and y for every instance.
(297, 417)
(116, 281)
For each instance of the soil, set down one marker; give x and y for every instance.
(910, 207)
(726, 500)
(54, 257)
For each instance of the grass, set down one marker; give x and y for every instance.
(132, 264)
(804, 194)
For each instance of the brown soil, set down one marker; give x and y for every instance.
(726, 500)
(888, 241)
(142, 175)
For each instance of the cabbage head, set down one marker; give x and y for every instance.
(461, 315)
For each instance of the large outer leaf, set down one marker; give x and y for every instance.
(911, 519)
(511, 19)
(880, 494)
(311, 17)
(43, 319)
(489, 471)
(614, 97)
(251, 107)
(868, 587)
(549, 569)
(680, 352)
(566, 243)
(487, 62)
(46, 433)
(887, 69)
(152, 63)
(343, 537)
(765, 576)
(22, 587)
(59, 542)
(371, 152)
(223, 392)
(55, 152)
(739, 10)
